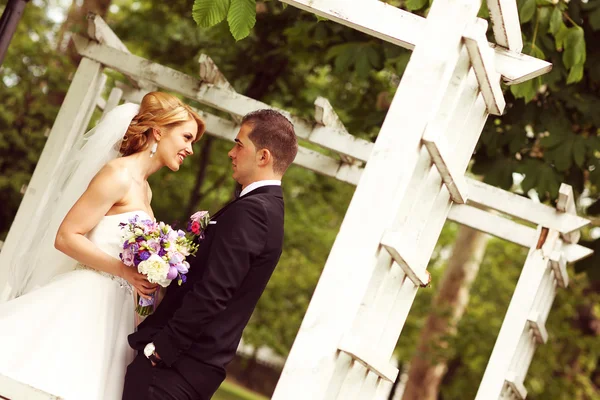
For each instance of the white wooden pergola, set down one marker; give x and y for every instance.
(409, 182)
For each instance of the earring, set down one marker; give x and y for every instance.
(153, 149)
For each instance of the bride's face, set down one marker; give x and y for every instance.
(176, 144)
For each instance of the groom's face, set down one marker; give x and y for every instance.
(243, 157)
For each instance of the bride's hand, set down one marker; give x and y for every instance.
(139, 282)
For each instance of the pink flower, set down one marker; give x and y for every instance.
(195, 228)
(172, 273)
(128, 256)
(197, 217)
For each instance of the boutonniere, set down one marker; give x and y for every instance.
(198, 223)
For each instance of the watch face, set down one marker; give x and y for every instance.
(149, 349)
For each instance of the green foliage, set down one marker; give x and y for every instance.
(241, 15)
(230, 391)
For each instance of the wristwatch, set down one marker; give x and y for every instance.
(150, 353)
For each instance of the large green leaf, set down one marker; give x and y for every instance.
(527, 11)
(555, 20)
(574, 47)
(241, 17)
(575, 74)
(413, 5)
(208, 13)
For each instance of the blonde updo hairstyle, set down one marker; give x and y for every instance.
(158, 110)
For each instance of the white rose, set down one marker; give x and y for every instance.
(156, 269)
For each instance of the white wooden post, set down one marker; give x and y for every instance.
(11, 389)
(113, 100)
(79, 98)
(344, 345)
(524, 328)
(98, 90)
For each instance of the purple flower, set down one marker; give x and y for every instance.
(176, 258)
(146, 302)
(154, 245)
(183, 278)
(183, 268)
(127, 256)
(162, 252)
(172, 274)
(144, 255)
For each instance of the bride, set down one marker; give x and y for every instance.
(69, 336)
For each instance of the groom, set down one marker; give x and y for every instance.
(194, 333)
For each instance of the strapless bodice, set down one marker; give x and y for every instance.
(108, 236)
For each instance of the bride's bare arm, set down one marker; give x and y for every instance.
(107, 188)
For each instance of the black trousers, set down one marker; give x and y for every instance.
(145, 382)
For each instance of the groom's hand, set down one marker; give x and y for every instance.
(157, 356)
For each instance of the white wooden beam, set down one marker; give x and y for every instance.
(325, 115)
(516, 386)
(113, 100)
(558, 262)
(99, 31)
(522, 207)
(566, 204)
(405, 29)
(210, 73)
(452, 177)
(537, 325)
(403, 252)
(509, 230)
(368, 357)
(506, 25)
(315, 369)
(12, 389)
(506, 348)
(221, 99)
(482, 59)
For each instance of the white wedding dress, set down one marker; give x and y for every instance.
(69, 337)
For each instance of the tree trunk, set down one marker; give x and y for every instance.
(429, 364)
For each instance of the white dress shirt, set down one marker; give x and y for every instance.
(257, 184)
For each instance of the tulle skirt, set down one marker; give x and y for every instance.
(69, 337)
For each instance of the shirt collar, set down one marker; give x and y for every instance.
(257, 184)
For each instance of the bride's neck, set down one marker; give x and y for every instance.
(144, 165)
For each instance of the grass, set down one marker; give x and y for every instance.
(231, 391)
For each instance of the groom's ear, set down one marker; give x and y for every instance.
(264, 157)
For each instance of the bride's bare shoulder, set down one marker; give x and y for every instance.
(115, 173)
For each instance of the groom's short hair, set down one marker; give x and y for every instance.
(274, 132)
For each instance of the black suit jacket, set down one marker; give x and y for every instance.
(199, 324)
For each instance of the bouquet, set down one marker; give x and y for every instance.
(159, 252)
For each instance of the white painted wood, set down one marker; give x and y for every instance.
(482, 59)
(403, 253)
(377, 363)
(101, 103)
(79, 98)
(512, 329)
(453, 179)
(538, 326)
(11, 389)
(313, 367)
(326, 116)
(114, 98)
(521, 207)
(221, 99)
(559, 265)
(566, 204)
(210, 73)
(517, 387)
(98, 90)
(506, 25)
(99, 31)
(405, 29)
